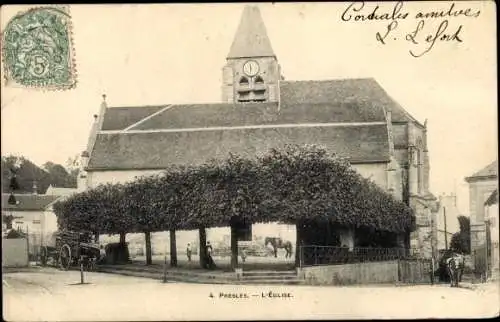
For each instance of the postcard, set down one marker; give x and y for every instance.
(249, 161)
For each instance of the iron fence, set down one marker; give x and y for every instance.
(329, 255)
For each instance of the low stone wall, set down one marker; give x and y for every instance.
(384, 272)
(348, 274)
(14, 252)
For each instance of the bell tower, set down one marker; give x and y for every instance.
(252, 72)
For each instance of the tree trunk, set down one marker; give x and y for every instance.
(122, 238)
(298, 243)
(234, 248)
(173, 249)
(203, 249)
(96, 237)
(149, 259)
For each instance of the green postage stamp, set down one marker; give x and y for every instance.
(37, 49)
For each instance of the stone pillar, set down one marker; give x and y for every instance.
(173, 249)
(427, 166)
(149, 260)
(412, 171)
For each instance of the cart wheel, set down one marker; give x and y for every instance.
(65, 259)
(43, 255)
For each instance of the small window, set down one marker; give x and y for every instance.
(244, 97)
(260, 92)
(244, 81)
(259, 80)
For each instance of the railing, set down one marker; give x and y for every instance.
(329, 255)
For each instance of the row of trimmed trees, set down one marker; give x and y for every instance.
(291, 185)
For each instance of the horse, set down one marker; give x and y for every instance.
(455, 267)
(277, 242)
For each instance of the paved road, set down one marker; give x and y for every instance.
(51, 295)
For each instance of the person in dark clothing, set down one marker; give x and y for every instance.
(189, 252)
(210, 261)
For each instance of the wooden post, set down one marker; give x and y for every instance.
(173, 249)
(149, 259)
(165, 269)
(81, 270)
(234, 248)
(203, 244)
(445, 230)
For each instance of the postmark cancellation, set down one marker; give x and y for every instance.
(37, 49)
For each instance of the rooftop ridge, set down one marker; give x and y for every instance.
(327, 80)
(244, 127)
(193, 104)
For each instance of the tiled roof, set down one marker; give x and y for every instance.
(490, 170)
(28, 202)
(156, 150)
(58, 191)
(251, 38)
(363, 94)
(353, 102)
(117, 118)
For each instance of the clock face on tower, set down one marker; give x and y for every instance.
(251, 68)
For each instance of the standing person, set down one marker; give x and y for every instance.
(189, 252)
(210, 260)
(102, 254)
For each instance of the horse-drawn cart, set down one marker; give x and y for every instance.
(67, 248)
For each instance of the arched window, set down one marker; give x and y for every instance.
(259, 80)
(244, 81)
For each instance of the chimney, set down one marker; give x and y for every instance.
(35, 192)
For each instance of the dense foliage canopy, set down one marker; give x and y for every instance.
(460, 241)
(26, 172)
(289, 185)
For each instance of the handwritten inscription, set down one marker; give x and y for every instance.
(421, 38)
(264, 295)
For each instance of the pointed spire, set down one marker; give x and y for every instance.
(251, 38)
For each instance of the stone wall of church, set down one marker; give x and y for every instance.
(96, 178)
(374, 171)
(421, 239)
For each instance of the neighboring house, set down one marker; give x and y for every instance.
(28, 213)
(481, 185)
(492, 217)
(28, 216)
(447, 209)
(57, 191)
(353, 118)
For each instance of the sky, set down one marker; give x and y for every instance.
(160, 54)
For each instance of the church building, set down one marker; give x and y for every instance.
(259, 109)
